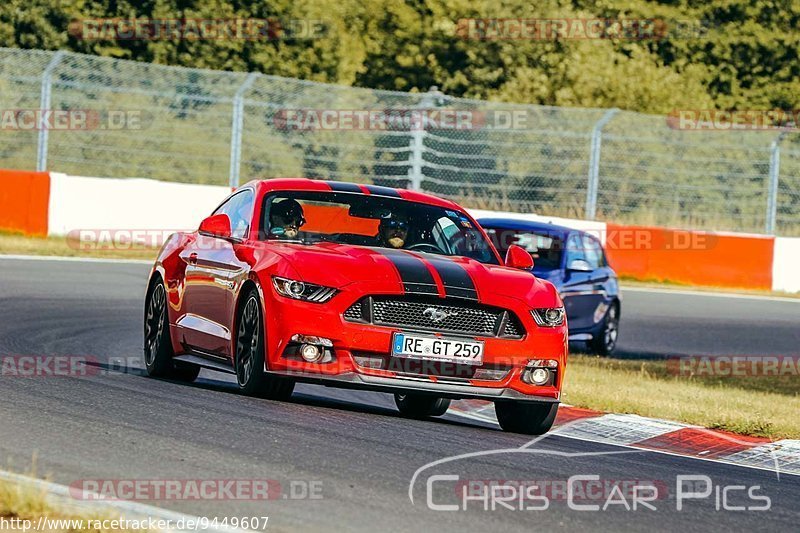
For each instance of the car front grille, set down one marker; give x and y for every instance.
(431, 315)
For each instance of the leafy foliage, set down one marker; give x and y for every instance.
(743, 55)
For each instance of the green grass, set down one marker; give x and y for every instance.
(19, 501)
(18, 244)
(757, 406)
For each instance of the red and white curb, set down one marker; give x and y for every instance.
(662, 436)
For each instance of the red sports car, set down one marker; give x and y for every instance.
(361, 286)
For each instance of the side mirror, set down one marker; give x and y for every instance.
(579, 265)
(216, 226)
(518, 257)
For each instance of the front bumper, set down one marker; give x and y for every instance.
(406, 384)
(285, 318)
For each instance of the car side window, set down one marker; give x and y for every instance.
(592, 252)
(601, 255)
(444, 232)
(575, 249)
(239, 209)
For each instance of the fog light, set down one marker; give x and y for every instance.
(600, 312)
(536, 376)
(310, 353)
(540, 376)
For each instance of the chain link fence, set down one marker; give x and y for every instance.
(203, 126)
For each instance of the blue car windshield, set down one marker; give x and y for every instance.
(545, 249)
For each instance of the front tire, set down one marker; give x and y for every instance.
(421, 405)
(158, 351)
(527, 418)
(249, 358)
(605, 342)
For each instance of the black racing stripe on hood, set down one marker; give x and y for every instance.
(382, 191)
(343, 186)
(416, 277)
(457, 281)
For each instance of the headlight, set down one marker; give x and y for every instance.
(549, 317)
(300, 290)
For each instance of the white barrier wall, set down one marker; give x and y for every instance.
(78, 203)
(786, 265)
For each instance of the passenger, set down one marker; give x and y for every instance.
(286, 218)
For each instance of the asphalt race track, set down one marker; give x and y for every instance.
(352, 448)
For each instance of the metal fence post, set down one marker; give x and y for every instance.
(594, 163)
(433, 98)
(44, 106)
(415, 159)
(236, 129)
(774, 177)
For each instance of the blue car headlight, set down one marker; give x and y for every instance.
(549, 317)
(300, 290)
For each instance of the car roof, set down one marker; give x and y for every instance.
(305, 184)
(525, 225)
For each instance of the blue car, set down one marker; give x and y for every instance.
(575, 263)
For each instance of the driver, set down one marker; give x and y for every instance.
(393, 232)
(286, 218)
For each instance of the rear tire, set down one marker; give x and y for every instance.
(421, 405)
(605, 342)
(158, 351)
(527, 418)
(249, 357)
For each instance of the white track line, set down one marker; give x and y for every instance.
(714, 294)
(60, 496)
(75, 259)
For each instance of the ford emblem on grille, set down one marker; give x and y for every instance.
(437, 315)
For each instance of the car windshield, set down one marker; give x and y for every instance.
(311, 217)
(545, 248)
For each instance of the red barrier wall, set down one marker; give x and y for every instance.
(691, 257)
(24, 199)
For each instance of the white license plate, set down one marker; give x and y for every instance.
(437, 349)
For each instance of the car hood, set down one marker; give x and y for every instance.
(339, 265)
